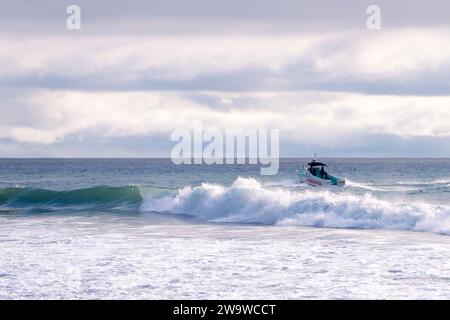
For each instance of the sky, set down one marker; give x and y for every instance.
(138, 70)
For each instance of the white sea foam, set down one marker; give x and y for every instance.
(248, 201)
(123, 257)
(420, 183)
(366, 186)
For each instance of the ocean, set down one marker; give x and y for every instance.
(148, 229)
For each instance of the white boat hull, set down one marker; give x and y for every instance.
(312, 180)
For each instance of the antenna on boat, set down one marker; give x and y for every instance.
(315, 156)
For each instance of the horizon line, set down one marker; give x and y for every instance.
(167, 158)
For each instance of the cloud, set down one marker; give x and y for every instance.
(158, 57)
(396, 62)
(55, 117)
(180, 16)
(139, 69)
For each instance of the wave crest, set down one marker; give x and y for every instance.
(248, 201)
(245, 201)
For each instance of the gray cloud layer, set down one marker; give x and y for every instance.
(172, 62)
(301, 13)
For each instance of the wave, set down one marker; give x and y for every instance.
(248, 201)
(366, 186)
(422, 183)
(404, 186)
(93, 198)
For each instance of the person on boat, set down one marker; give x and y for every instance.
(322, 173)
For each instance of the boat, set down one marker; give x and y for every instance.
(315, 175)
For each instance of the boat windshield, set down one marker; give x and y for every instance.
(319, 172)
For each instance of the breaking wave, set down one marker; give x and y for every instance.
(244, 201)
(249, 201)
